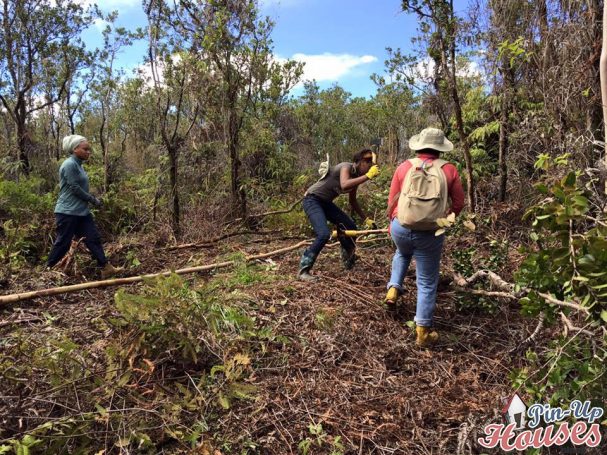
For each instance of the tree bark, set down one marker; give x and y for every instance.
(24, 144)
(603, 73)
(503, 149)
(459, 120)
(175, 213)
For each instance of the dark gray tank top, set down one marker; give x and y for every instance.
(329, 188)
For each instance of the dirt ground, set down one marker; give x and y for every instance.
(350, 380)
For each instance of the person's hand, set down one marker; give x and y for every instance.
(370, 224)
(373, 172)
(96, 202)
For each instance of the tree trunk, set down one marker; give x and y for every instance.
(24, 144)
(594, 114)
(459, 120)
(23, 139)
(104, 151)
(239, 196)
(603, 72)
(465, 146)
(503, 149)
(174, 193)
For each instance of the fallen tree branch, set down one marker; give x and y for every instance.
(19, 321)
(570, 327)
(508, 289)
(282, 250)
(531, 338)
(11, 298)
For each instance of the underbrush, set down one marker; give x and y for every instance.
(156, 373)
(26, 221)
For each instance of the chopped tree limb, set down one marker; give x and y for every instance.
(531, 338)
(282, 250)
(11, 298)
(508, 289)
(19, 321)
(570, 327)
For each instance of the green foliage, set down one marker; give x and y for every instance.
(20, 446)
(484, 132)
(514, 52)
(571, 369)
(231, 386)
(318, 439)
(570, 263)
(15, 244)
(24, 235)
(463, 261)
(24, 201)
(172, 319)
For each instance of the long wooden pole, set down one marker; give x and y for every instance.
(11, 298)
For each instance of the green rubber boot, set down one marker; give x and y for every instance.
(305, 265)
(348, 258)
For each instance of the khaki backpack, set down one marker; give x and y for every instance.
(424, 195)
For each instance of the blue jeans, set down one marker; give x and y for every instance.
(427, 249)
(319, 212)
(70, 226)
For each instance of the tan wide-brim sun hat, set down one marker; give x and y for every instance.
(431, 138)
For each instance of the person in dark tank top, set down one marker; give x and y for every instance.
(319, 208)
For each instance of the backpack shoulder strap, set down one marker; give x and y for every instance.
(415, 162)
(439, 162)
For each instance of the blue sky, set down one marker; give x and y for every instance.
(342, 41)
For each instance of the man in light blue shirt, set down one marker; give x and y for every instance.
(72, 213)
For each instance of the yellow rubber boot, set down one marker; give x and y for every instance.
(109, 271)
(391, 296)
(425, 336)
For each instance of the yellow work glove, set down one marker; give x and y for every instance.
(370, 224)
(373, 172)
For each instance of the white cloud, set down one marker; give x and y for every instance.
(144, 71)
(329, 67)
(100, 24)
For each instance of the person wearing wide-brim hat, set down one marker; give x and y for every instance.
(72, 214)
(423, 189)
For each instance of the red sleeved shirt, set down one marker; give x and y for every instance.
(454, 184)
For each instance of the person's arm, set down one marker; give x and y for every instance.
(355, 206)
(395, 187)
(456, 192)
(70, 174)
(346, 183)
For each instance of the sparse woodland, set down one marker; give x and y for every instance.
(192, 157)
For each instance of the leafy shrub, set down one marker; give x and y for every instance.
(24, 201)
(170, 319)
(569, 263)
(26, 220)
